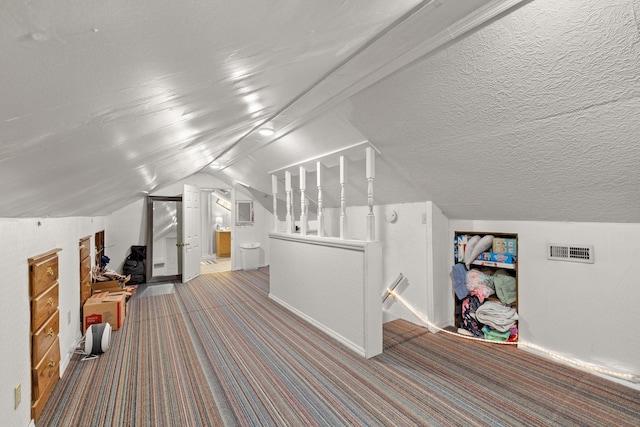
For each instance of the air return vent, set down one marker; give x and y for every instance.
(573, 253)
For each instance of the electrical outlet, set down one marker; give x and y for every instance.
(69, 317)
(17, 395)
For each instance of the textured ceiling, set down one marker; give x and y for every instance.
(528, 115)
(534, 117)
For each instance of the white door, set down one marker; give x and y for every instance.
(190, 233)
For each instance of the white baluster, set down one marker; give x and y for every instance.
(274, 191)
(303, 201)
(287, 189)
(343, 202)
(371, 173)
(319, 175)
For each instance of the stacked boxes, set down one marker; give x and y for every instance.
(460, 245)
(504, 246)
(109, 286)
(105, 307)
(497, 257)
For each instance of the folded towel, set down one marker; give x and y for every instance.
(498, 316)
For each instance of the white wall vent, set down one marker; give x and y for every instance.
(573, 253)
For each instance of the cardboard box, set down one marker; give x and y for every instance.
(108, 286)
(504, 246)
(104, 307)
(496, 257)
(460, 247)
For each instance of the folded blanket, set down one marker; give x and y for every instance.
(497, 316)
(505, 287)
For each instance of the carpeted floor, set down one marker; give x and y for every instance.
(216, 351)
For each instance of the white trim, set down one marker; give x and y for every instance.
(354, 245)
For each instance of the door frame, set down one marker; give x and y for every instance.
(149, 259)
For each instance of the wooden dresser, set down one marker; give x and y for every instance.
(223, 243)
(45, 325)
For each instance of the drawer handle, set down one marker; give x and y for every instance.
(50, 271)
(50, 302)
(52, 363)
(50, 332)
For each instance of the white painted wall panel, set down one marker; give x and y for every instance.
(128, 225)
(21, 239)
(586, 312)
(330, 286)
(404, 250)
(440, 298)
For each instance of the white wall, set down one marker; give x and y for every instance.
(404, 250)
(439, 298)
(126, 229)
(21, 239)
(332, 283)
(127, 226)
(256, 233)
(586, 312)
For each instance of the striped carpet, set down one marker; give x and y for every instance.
(219, 352)
(150, 376)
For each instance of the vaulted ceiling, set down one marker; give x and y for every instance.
(492, 109)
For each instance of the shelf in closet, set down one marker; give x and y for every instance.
(494, 264)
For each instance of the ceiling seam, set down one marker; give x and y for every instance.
(330, 72)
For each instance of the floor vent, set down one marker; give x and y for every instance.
(573, 253)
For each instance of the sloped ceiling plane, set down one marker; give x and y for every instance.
(485, 107)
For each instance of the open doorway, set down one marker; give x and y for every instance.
(164, 228)
(217, 217)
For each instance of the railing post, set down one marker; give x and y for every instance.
(274, 191)
(319, 175)
(343, 201)
(371, 173)
(303, 202)
(287, 189)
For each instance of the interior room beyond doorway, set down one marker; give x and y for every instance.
(216, 208)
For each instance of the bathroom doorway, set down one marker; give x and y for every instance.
(217, 220)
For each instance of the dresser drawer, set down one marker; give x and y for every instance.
(84, 248)
(44, 273)
(85, 269)
(43, 378)
(43, 306)
(85, 290)
(37, 405)
(44, 337)
(46, 370)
